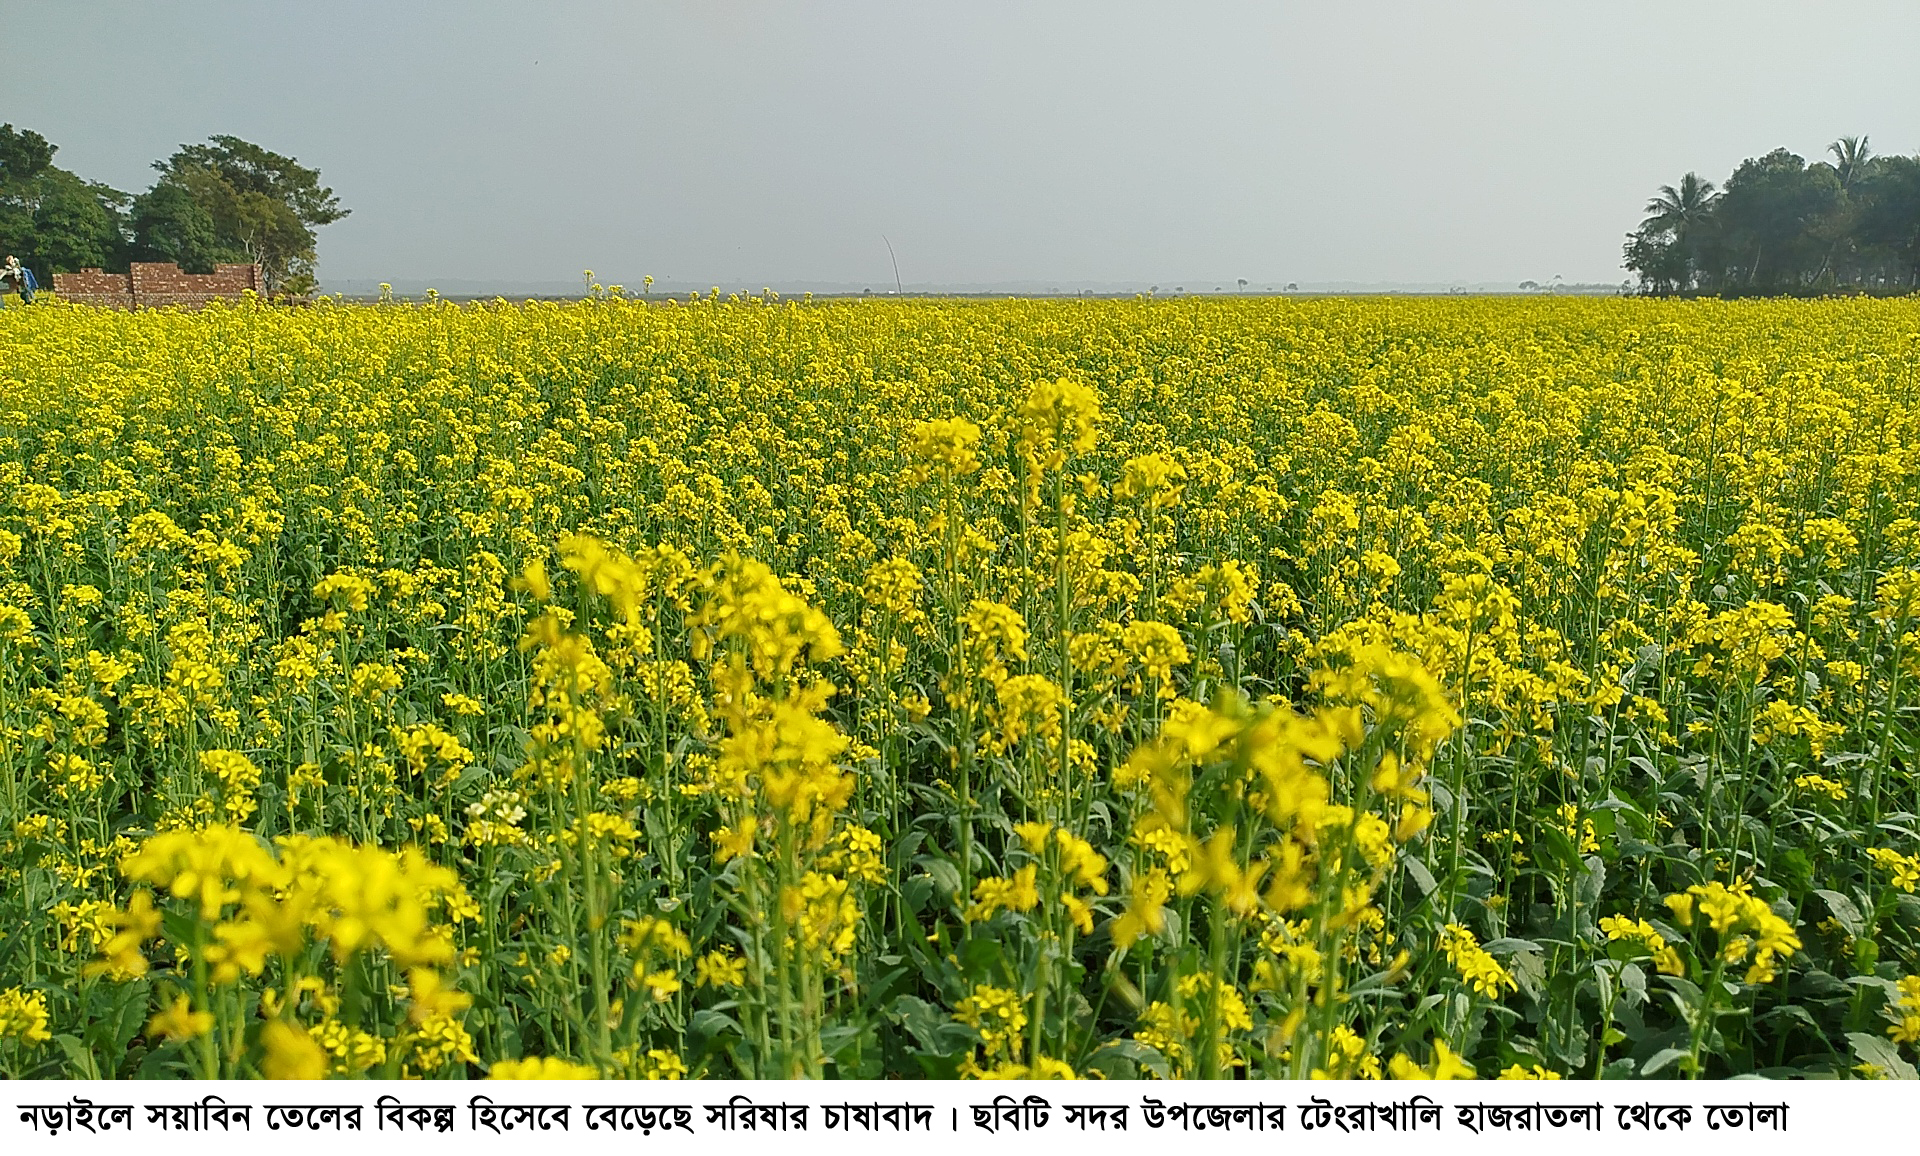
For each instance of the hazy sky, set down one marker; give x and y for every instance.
(750, 143)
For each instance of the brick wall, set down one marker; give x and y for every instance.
(152, 285)
(93, 287)
(156, 285)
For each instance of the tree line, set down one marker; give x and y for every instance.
(223, 202)
(1782, 226)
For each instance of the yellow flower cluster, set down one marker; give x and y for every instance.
(1621, 929)
(1904, 869)
(746, 687)
(1905, 1011)
(541, 1068)
(252, 906)
(350, 898)
(23, 1016)
(1743, 922)
(1482, 972)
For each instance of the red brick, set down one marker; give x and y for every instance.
(153, 284)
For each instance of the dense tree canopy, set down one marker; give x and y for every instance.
(1781, 225)
(50, 218)
(259, 204)
(223, 201)
(169, 224)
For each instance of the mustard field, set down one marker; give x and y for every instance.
(747, 687)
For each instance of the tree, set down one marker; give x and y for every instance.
(24, 155)
(1665, 250)
(1771, 215)
(1682, 208)
(1656, 260)
(1850, 156)
(1780, 225)
(1684, 214)
(1851, 161)
(1887, 222)
(223, 201)
(168, 224)
(261, 205)
(76, 224)
(49, 218)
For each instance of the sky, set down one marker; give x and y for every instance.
(1042, 144)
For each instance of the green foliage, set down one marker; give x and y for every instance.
(24, 154)
(76, 223)
(247, 200)
(169, 224)
(50, 218)
(223, 201)
(1771, 220)
(1889, 219)
(1782, 225)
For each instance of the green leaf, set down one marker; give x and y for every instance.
(1592, 881)
(1530, 972)
(1881, 1053)
(709, 1023)
(1789, 1012)
(76, 1051)
(1133, 1051)
(931, 1027)
(1559, 847)
(1633, 984)
(836, 1038)
(178, 926)
(114, 1026)
(934, 1067)
(1603, 981)
(1661, 1060)
(945, 875)
(1844, 910)
(1887, 987)
(907, 844)
(915, 892)
(160, 1064)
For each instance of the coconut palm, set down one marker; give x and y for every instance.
(1850, 156)
(1679, 209)
(1680, 212)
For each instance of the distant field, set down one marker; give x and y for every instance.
(1206, 687)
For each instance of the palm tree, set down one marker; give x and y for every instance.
(1682, 208)
(1681, 211)
(1850, 156)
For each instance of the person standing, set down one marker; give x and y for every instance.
(19, 277)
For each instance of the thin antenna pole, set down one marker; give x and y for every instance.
(898, 290)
